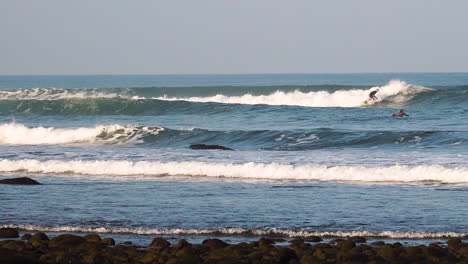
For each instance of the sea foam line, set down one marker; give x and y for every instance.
(238, 232)
(395, 91)
(250, 170)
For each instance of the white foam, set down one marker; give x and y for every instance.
(395, 91)
(251, 170)
(18, 134)
(238, 231)
(55, 94)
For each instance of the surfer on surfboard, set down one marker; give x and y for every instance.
(372, 95)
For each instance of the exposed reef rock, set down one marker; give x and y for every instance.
(67, 248)
(203, 147)
(7, 232)
(22, 181)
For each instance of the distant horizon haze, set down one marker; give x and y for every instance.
(118, 37)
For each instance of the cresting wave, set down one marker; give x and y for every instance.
(394, 92)
(247, 232)
(271, 171)
(129, 100)
(18, 134)
(270, 140)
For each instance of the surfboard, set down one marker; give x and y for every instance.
(369, 102)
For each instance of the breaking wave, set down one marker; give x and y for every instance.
(394, 92)
(249, 171)
(271, 140)
(150, 100)
(59, 93)
(18, 134)
(246, 232)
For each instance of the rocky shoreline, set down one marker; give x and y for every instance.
(92, 249)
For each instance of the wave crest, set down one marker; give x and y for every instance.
(394, 92)
(18, 134)
(250, 171)
(59, 93)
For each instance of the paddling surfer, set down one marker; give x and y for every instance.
(399, 114)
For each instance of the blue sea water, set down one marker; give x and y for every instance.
(311, 157)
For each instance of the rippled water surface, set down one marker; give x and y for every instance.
(311, 157)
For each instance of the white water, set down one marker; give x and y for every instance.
(251, 170)
(236, 231)
(54, 94)
(395, 91)
(18, 134)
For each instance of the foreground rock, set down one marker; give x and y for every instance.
(22, 181)
(203, 147)
(91, 249)
(7, 232)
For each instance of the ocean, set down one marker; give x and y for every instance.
(310, 157)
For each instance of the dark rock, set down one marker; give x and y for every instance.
(454, 243)
(336, 240)
(92, 256)
(188, 255)
(286, 255)
(160, 242)
(66, 240)
(413, 253)
(180, 245)
(93, 238)
(313, 239)
(127, 243)
(387, 252)
(7, 232)
(8, 256)
(39, 239)
(358, 239)
(278, 239)
(16, 245)
(67, 258)
(378, 243)
(346, 245)
(214, 243)
(26, 237)
(108, 241)
(150, 257)
(436, 250)
(354, 255)
(203, 146)
(265, 242)
(22, 180)
(296, 241)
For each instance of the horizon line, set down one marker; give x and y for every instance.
(199, 74)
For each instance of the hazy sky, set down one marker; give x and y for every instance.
(232, 36)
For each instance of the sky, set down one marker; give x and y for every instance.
(232, 36)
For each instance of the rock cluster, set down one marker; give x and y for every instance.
(67, 248)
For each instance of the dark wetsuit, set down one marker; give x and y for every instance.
(400, 114)
(372, 95)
